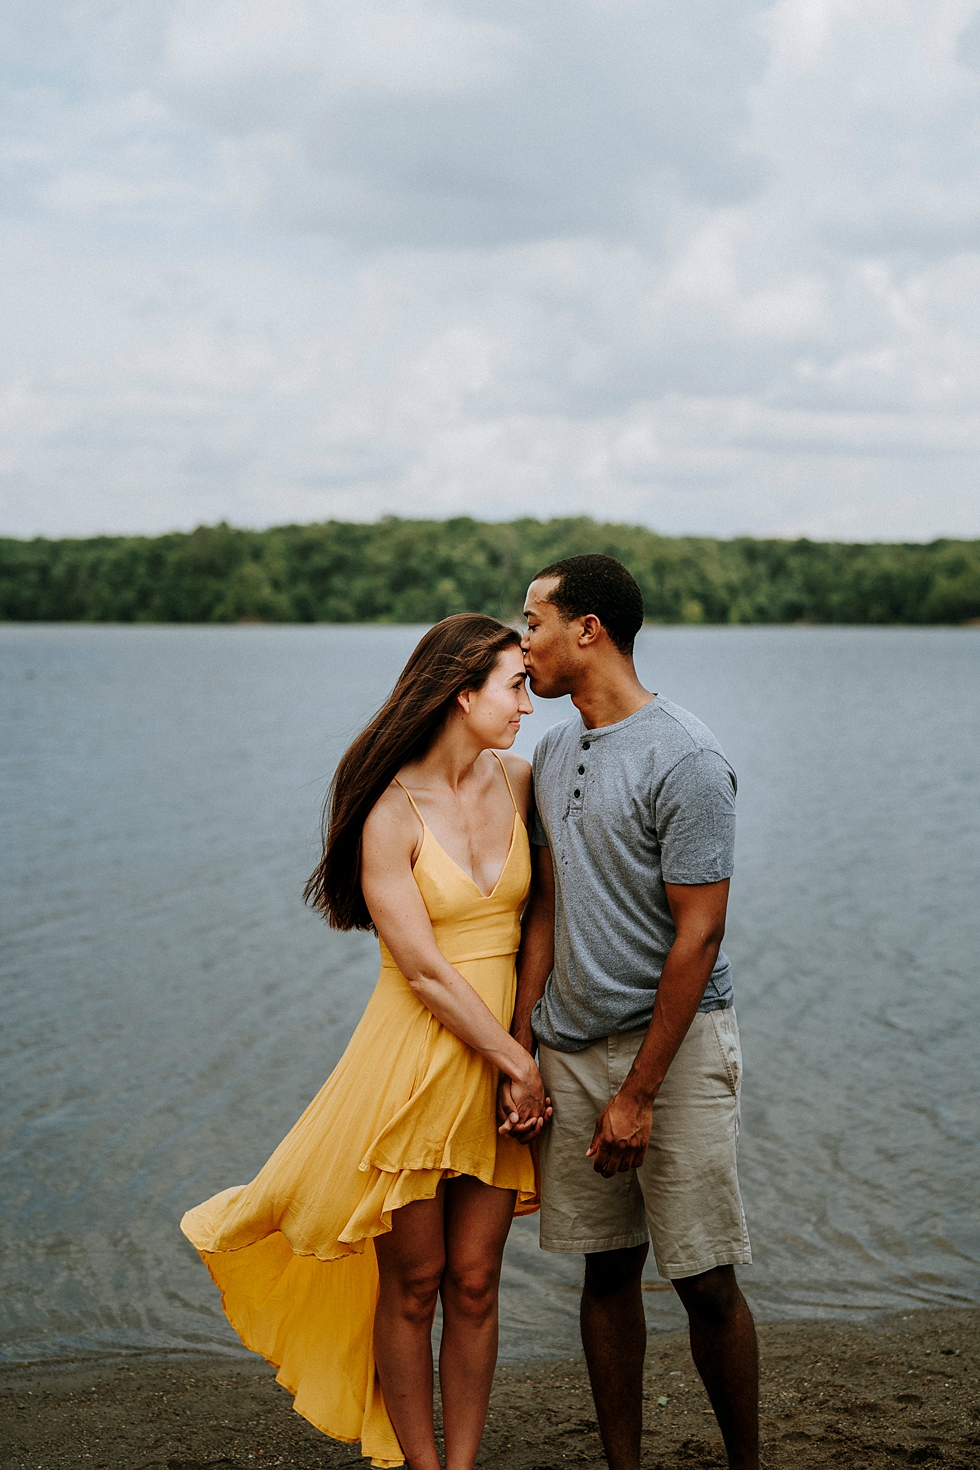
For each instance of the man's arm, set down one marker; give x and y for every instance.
(534, 964)
(537, 953)
(622, 1129)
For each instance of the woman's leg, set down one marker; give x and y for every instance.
(411, 1262)
(477, 1219)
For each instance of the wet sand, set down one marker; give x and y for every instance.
(902, 1389)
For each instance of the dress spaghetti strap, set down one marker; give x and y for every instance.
(411, 798)
(510, 788)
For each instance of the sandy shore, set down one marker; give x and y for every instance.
(904, 1389)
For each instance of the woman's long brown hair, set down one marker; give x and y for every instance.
(458, 653)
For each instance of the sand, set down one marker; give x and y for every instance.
(902, 1389)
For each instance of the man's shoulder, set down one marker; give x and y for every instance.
(677, 727)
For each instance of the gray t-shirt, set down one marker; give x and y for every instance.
(625, 809)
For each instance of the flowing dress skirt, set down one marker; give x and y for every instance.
(292, 1253)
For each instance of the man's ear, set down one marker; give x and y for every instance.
(591, 628)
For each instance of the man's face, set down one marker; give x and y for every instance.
(548, 643)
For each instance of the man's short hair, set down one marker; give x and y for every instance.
(600, 585)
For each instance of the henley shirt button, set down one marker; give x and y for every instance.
(581, 770)
(576, 792)
(586, 744)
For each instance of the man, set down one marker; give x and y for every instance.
(625, 990)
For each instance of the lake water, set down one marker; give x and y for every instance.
(169, 1007)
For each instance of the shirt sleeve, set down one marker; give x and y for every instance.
(537, 833)
(695, 819)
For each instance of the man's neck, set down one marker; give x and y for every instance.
(609, 695)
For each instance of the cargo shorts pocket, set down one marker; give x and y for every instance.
(725, 1028)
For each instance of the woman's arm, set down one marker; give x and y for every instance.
(390, 842)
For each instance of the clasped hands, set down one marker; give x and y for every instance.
(522, 1107)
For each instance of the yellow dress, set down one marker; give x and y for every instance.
(407, 1105)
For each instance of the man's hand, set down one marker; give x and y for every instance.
(622, 1132)
(518, 1112)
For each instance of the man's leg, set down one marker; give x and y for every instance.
(605, 1220)
(614, 1336)
(726, 1355)
(689, 1180)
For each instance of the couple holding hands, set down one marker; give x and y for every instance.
(552, 1028)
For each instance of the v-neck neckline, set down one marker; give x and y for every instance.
(468, 876)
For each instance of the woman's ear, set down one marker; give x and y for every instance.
(463, 699)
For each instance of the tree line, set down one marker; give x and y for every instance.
(408, 571)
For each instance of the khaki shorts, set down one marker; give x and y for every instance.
(685, 1194)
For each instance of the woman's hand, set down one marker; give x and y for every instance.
(522, 1105)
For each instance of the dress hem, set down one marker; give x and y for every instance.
(378, 1462)
(526, 1202)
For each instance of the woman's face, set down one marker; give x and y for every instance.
(494, 712)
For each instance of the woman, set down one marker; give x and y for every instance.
(395, 1186)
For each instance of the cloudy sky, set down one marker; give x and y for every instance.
(713, 267)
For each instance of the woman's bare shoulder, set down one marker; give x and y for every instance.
(392, 817)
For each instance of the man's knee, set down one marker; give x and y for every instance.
(713, 1297)
(609, 1272)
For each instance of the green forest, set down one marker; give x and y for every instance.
(412, 571)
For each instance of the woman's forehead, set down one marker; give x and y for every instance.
(511, 660)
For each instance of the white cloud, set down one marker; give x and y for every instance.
(713, 267)
(384, 48)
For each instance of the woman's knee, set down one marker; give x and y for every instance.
(470, 1290)
(413, 1290)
